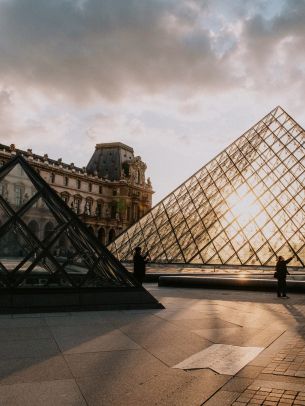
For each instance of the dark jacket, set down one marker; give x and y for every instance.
(139, 265)
(281, 268)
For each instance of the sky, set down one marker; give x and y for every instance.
(178, 80)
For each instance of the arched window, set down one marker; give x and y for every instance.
(102, 235)
(113, 210)
(111, 235)
(65, 197)
(48, 229)
(88, 207)
(77, 204)
(34, 227)
(99, 209)
(52, 177)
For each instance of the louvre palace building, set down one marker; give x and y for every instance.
(109, 194)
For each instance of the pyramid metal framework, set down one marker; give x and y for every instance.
(44, 246)
(244, 207)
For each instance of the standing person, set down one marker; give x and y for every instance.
(139, 265)
(281, 272)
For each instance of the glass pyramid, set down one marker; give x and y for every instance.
(245, 207)
(45, 247)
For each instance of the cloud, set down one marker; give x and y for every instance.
(113, 48)
(107, 47)
(272, 48)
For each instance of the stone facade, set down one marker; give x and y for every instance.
(109, 195)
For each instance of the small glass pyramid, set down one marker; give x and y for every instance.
(245, 207)
(45, 247)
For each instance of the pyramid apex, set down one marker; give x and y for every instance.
(279, 108)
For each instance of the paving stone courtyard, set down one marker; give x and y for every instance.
(207, 347)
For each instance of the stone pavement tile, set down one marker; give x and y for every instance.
(137, 363)
(146, 326)
(240, 319)
(202, 307)
(264, 337)
(90, 330)
(250, 371)
(261, 360)
(246, 336)
(33, 370)
(13, 349)
(237, 384)
(168, 343)
(105, 390)
(222, 398)
(180, 314)
(260, 393)
(49, 393)
(273, 349)
(289, 386)
(171, 387)
(281, 378)
(69, 320)
(136, 321)
(202, 323)
(24, 333)
(290, 359)
(222, 358)
(218, 335)
(194, 390)
(115, 340)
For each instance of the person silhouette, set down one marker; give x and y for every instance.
(139, 264)
(281, 271)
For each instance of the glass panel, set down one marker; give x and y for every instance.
(208, 252)
(40, 219)
(105, 274)
(172, 252)
(4, 216)
(16, 187)
(181, 229)
(15, 244)
(44, 273)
